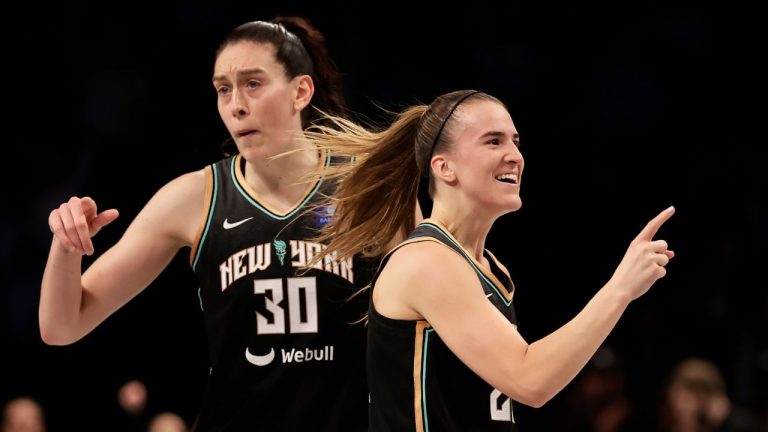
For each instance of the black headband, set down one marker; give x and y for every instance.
(442, 126)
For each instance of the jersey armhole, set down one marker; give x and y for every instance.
(202, 229)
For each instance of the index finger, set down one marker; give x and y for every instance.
(653, 226)
(86, 211)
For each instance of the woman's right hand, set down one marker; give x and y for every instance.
(645, 260)
(76, 221)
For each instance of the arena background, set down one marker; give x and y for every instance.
(623, 111)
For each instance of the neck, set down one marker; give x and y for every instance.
(283, 169)
(465, 223)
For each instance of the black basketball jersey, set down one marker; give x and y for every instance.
(284, 350)
(416, 383)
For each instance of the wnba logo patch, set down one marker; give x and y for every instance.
(323, 216)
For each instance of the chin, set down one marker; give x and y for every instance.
(515, 205)
(251, 152)
(510, 206)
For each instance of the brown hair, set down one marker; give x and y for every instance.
(301, 49)
(376, 196)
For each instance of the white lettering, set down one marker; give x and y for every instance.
(297, 248)
(501, 411)
(312, 250)
(346, 270)
(331, 264)
(259, 257)
(275, 289)
(307, 354)
(302, 304)
(226, 273)
(240, 269)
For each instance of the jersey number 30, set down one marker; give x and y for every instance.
(301, 305)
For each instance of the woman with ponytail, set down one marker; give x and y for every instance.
(284, 356)
(444, 353)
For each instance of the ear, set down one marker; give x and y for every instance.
(304, 90)
(441, 168)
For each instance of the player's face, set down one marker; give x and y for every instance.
(256, 100)
(485, 158)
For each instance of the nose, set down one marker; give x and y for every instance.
(513, 155)
(237, 104)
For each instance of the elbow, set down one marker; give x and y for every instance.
(538, 401)
(51, 338)
(54, 338)
(534, 399)
(534, 396)
(55, 335)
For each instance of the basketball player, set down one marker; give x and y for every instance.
(444, 353)
(284, 356)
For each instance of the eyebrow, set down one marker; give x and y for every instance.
(515, 136)
(240, 72)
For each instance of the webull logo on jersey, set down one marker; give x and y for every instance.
(258, 258)
(305, 355)
(292, 355)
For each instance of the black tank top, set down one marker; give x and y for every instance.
(416, 382)
(284, 352)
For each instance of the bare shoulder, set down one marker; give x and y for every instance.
(177, 207)
(420, 277)
(424, 258)
(189, 183)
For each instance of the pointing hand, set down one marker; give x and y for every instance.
(645, 260)
(76, 221)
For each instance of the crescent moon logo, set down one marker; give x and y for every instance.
(260, 360)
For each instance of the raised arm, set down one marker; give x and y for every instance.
(73, 304)
(449, 297)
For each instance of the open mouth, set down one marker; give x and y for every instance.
(507, 178)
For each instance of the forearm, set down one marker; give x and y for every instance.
(556, 359)
(61, 296)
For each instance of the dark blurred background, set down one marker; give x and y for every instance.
(623, 111)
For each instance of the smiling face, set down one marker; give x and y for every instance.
(484, 163)
(259, 105)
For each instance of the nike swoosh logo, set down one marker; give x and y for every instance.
(489, 295)
(228, 225)
(260, 360)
